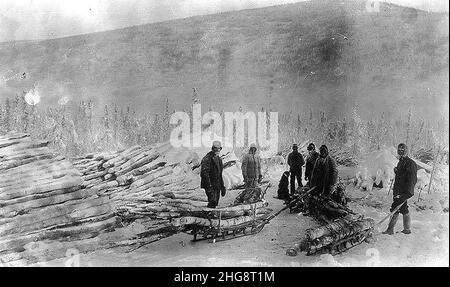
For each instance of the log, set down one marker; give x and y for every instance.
(94, 175)
(43, 251)
(341, 227)
(149, 167)
(28, 224)
(107, 185)
(14, 164)
(65, 211)
(20, 155)
(12, 140)
(142, 241)
(152, 176)
(146, 158)
(60, 183)
(63, 234)
(36, 165)
(38, 169)
(28, 180)
(123, 157)
(94, 181)
(226, 212)
(26, 207)
(37, 196)
(131, 161)
(23, 146)
(146, 190)
(90, 169)
(225, 223)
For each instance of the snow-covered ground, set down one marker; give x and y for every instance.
(426, 246)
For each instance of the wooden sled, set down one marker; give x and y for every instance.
(220, 234)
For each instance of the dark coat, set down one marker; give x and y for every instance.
(405, 178)
(324, 175)
(211, 172)
(295, 161)
(310, 161)
(283, 187)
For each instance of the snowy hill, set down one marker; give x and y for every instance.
(319, 54)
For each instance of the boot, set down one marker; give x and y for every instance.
(406, 224)
(392, 223)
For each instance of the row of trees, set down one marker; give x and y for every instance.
(79, 130)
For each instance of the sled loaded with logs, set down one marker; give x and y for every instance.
(335, 237)
(245, 217)
(342, 228)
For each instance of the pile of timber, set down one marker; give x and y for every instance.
(335, 237)
(152, 185)
(43, 198)
(144, 181)
(161, 183)
(341, 228)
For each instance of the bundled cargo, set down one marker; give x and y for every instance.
(326, 209)
(323, 208)
(43, 198)
(335, 237)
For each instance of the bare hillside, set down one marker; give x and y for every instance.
(330, 54)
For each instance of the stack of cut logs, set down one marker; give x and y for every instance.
(42, 199)
(342, 228)
(335, 237)
(158, 182)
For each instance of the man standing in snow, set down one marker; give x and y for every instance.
(251, 167)
(313, 155)
(211, 175)
(325, 174)
(295, 162)
(404, 182)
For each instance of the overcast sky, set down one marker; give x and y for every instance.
(43, 19)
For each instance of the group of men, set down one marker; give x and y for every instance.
(320, 172)
(320, 169)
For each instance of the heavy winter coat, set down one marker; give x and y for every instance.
(283, 187)
(251, 166)
(295, 161)
(211, 172)
(324, 175)
(310, 161)
(405, 178)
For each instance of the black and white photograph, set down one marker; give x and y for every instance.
(224, 133)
